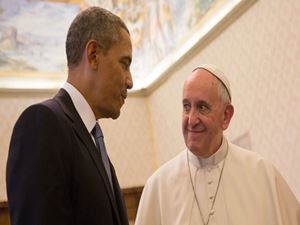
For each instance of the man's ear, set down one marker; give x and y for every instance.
(92, 51)
(228, 113)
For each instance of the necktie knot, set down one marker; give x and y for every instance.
(97, 132)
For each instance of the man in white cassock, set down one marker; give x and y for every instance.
(214, 181)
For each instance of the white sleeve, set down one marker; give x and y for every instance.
(288, 204)
(149, 212)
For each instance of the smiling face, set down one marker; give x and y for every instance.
(205, 115)
(111, 78)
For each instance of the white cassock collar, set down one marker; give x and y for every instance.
(211, 161)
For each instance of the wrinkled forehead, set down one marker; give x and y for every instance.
(200, 84)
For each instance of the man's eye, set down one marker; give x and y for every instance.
(125, 64)
(186, 107)
(203, 108)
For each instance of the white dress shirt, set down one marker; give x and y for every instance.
(82, 106)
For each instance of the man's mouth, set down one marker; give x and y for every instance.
(195, 130)
(124, 95)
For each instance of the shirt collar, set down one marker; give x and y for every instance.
(82, 106)
(213, 160)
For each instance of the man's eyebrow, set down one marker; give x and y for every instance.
(202, 102)
(185, 100)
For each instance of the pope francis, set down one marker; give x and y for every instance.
(214, 181)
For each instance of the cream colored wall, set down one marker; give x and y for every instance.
(260, 54)
(129, 142)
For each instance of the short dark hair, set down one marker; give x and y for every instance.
(93, 23)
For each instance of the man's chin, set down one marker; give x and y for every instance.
(115, 115)
(196, 150)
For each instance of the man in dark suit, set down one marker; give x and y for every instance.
(56, 172)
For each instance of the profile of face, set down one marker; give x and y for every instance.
(205, 116)
(111, 78)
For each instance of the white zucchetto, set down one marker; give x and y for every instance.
(218, 74)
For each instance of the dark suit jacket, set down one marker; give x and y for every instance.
(55, 174)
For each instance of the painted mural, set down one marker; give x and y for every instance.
(33, 32)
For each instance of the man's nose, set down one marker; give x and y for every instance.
(129, 81)
(193, 117)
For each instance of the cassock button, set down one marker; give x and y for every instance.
(211, 197)
(212, 212)
(210, 182)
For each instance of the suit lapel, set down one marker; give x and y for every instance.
(66, 103)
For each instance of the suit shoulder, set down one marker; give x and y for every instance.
(45, 106)
(48, 107)
(41, 115)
